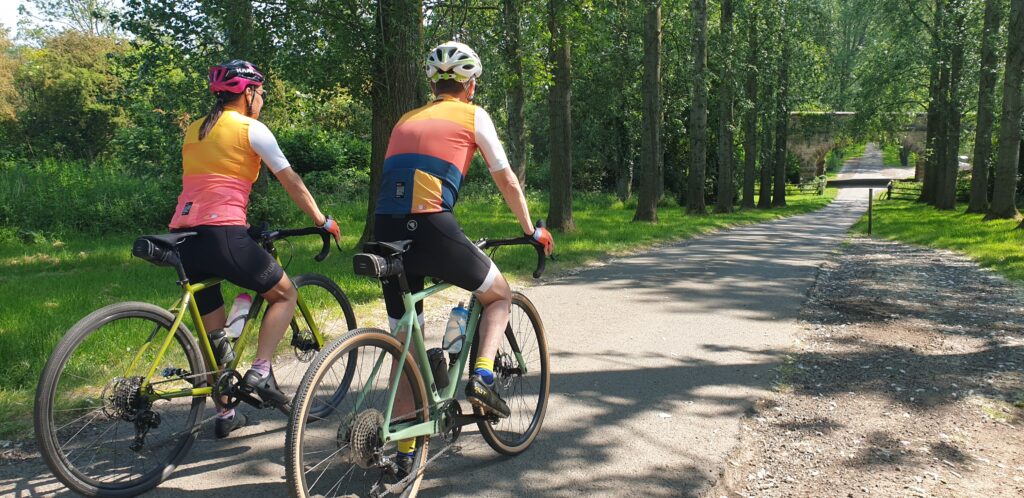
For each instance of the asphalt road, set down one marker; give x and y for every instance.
(655, 358)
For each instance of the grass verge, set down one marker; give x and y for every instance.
(993, 244)
(49, 285)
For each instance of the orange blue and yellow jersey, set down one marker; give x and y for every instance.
(219, 170)
(429, 153)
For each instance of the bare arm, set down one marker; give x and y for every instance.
(292, 183)
(510, 189)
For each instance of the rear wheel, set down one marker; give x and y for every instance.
(99, 432)
(340, 453)
(525, 392)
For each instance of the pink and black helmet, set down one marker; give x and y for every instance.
(234, 77)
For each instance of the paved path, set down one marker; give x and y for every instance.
(655, 358)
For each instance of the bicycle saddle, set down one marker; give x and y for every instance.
(387, 249)
(169, 239)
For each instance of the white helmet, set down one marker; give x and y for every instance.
(453, 61)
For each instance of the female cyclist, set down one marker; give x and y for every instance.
(221, 158)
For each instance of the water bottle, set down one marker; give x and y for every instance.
(239, 312)
(221, 345)
(455, 331)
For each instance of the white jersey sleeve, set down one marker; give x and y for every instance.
(487, 141)
(264, 143)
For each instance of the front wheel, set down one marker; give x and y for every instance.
(521, 378)
(340, 452)
(98, 429)
(325, 306)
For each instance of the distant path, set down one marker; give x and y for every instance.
(655, 358)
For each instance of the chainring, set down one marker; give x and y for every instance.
(452, 429)
(226, 388)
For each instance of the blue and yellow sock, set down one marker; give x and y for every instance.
(484, 367)
(407, 446)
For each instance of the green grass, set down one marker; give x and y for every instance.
(993, 244)
(891, 156)
(47, 286)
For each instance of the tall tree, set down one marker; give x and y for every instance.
(8, 66)
(750, 117)
(952, 72)
(650, 136)
(560, 115)
(240, 28)
(764, 198)
(44, 18)
(986, 108)
(936, 107)
(726, 182)
(1004, 197)
(699, 110)
(396, 87)
(516, 95)
(782, 113)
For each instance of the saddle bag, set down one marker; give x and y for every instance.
(154, 252)
(372, 265)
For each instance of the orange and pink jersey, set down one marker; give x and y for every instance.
(429, 153)
(219, 170)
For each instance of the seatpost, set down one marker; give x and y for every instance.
(182, 278)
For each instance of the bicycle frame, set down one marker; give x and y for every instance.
(187, 304)
(414, 341)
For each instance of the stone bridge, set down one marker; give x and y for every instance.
(813, 134)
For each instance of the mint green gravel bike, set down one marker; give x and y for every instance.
(345, 421)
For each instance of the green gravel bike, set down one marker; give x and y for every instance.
(345, 422)
(121, 398)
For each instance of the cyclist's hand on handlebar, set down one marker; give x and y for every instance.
(332, 228)
(543, 237)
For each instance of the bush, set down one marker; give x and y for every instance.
(343, 184)
(312, 149)
(61, 196)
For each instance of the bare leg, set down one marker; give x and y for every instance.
(214, 320)
(280, 311)
(404, 403)
(497, 303)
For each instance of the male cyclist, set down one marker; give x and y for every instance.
(428, 155)
(221, 159)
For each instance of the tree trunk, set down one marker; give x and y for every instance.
(650, 138)
(935, 124)
(699, 110)
(764, 199)
(559, 98)
(986, 104)
(394, 90)
(238, 27)
(623, 158)
(904, 155)
(946, 193)
(516, 94)
(750, 119)
(782, 121)
(1004, 197)
(726, 180)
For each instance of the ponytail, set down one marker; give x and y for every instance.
(214, 115)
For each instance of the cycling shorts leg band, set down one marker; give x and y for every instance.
(492, 274)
